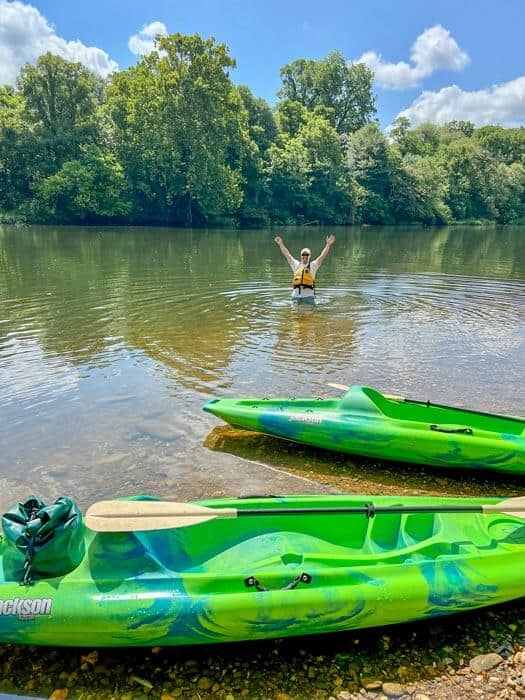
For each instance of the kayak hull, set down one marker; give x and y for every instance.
(270, 576)
(364, 422)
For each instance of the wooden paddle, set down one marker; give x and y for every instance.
(392, 397)
(129, 516)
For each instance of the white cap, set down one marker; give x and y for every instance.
(306, 251)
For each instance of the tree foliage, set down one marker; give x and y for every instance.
(172, 140)
(61, 100)
(90, 188)
(343, 90)
(181, 130)
(15, 153)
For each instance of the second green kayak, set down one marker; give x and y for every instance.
(365, 422)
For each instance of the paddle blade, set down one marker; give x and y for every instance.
(511, 506)
(130, 516)
(341, 387)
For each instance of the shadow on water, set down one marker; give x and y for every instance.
(354, 474)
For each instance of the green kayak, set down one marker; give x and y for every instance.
(256, 568)
(365, 422)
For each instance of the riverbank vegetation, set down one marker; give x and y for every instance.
(173, 141)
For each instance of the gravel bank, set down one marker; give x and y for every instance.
(473, 655)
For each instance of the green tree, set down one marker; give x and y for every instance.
(181, 130)
(261, 119)
(509, 193)
(463, 127)
(407, 197)
(343, 89)
(16, 159)
(505, 145)
(308, 180)
(471, 177)
(84, 190)
(330, 192)
(432, 177)
(291, 116)
(61, 100)
(369, 165)
(399, 133)
(423, 140)
(288, 174)
(263, 131)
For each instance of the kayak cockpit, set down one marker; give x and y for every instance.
(366, 400)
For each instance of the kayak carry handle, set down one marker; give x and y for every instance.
(451, 429)
(252, 582)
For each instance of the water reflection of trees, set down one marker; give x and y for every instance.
(186, 297)
(83, 290)
(490, 252)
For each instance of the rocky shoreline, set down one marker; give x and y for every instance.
(472, 655)
(480, 654)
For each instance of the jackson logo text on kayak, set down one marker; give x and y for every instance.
(304, 418)
(26, 608)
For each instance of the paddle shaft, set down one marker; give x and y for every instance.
(369, 510)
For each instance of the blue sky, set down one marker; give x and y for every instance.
(441, 60)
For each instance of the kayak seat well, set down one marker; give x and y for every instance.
(428, 415)
(215, 555)
(344, 541)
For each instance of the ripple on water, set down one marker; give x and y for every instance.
(168, 333)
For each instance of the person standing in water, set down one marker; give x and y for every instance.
(304, 270)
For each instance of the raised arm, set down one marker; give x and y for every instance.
(330, 240)
(284, 249)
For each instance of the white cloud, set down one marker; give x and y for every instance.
(435, 49)
(144, 42)
(25, 35)
(501, 104)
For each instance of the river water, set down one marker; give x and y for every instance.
(111, 340)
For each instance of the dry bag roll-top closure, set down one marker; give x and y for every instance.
(42, 541)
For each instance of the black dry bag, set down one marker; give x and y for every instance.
(43, 541)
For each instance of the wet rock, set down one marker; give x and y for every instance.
(108, 460)
(59, 694)
(393, 690)
(371, 683)
(204, 683)
(89, 660)
(141, 681)
(519, 658)
(485, 662)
